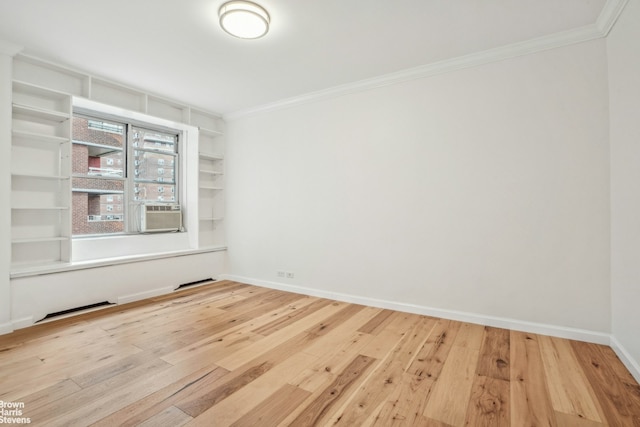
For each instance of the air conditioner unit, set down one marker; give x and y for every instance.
(156, 218)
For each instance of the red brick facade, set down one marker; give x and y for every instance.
(97, 211)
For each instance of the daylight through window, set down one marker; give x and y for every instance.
(117, 168)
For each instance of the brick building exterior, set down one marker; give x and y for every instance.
(98, 201)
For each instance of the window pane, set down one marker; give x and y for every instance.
(98, 211)
(147, 192)
(153, 167)
(153, 140)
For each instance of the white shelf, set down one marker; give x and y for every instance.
(210, 132)
(34, 136)
(22, 87)
(209, 187)
(19, 269)
(210, 156)
(39, 240)
(39, 176)
(210, 172)
(38, 114)
(211, 219)
(40, 208)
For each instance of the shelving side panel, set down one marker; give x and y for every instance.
(40, 98)
(119, 96)
(212, 144)
(30, 124)
(211, 214)
(29, 191)
(210, 179)
(42, 74)
(65, 198)
(212, 233)
(211, 175)
(211, 203)
(30, 255)
(159, 107)
(206, 120)
(32, 138)
(34, 224)
(30, 156)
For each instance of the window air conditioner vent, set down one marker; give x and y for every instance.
(157, 218)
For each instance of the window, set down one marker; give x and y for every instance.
(117, 167)
(151, 149)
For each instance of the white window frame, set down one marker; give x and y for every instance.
(105, 247)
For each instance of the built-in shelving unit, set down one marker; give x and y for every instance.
(40, 179)
(41, 158)
(211, 178)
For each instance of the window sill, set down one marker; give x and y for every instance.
(27, 271)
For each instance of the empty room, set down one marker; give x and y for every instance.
(313, 213)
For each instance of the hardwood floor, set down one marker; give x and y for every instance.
(233, 354)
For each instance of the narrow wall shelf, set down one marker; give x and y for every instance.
(210, 172)
(39, 114)
(34, 136)
(40, 208)
(38, 176)
(39, 239)
(210, 132)
(209, 156)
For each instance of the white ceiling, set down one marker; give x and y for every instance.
(175, 47)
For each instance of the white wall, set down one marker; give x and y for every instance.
(484, 191)
(623, 47)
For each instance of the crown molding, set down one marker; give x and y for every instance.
(609, 15)
(551, 41)
(607, 18)
(9, 49)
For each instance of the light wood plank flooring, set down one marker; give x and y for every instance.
(233, 354)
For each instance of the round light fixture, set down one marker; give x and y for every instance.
(244, 19)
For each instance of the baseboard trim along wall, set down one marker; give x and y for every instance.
(632, 365)
(6, 328)
(22, 323)
(497, 322)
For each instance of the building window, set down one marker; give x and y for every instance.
(104, 126)
(116, 169)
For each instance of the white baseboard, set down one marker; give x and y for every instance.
(146, 294)
(632, 365)
(6, 328)
(22, 323)
(497, 322)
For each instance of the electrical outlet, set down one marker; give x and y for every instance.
(289, 275)
(280, 273)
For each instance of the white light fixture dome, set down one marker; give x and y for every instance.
(244, 19)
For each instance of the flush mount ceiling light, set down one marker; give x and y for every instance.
(244, 19)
